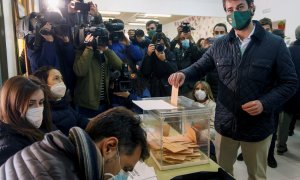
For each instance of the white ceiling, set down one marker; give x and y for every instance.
(131, 17)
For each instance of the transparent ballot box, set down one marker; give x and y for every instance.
(178, 136)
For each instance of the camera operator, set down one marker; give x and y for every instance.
(186, 53)
(136, 90)
(51, 46)
(158, 64)
(92, 68)
(121, 45)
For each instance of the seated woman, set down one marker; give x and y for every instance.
(203, 94)
(24, 115)
(63, 115)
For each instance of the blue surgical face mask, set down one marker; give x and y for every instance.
(185, 43)
(219, 35)
(122, 175)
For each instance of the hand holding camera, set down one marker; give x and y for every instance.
(160, 55)
(122, 94)
(46, 32)
(151, 49)
(93, 9)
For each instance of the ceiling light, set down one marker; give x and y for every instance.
(110, 12)
(145, 20)
(158, 15)
(136, 24)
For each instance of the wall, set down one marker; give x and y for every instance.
(9, 38)
(203, 26)
(175, 7)
(279, 10)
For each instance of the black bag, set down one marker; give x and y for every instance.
(220, 175)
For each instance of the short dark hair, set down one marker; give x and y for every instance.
(266, 21)
(221, 24)
(150, 22)
(123, 124)
(248, 2)
(163, 37)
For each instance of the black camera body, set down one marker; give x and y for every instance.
(186, 27)
(121, 79)
(58, 29)
(159, 47)
(100, 34)
(82, 6)
(116, 30)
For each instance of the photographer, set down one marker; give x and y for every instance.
(92, 68)
(51, 46)
(77, 13)
(186, 53)
(158, 64)
(139, 39)
(120, 44)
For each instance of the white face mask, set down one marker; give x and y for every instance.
(200, 95)
(59, 89)
(35, 116)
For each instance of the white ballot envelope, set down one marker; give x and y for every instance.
(174, 96)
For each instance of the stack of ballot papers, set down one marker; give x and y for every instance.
(142, 171)
(176, 150)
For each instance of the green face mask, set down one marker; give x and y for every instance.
(151, 33)
(239, 19)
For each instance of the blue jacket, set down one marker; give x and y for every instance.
(293, 104)
(57, 54)
(11, 142)
(265, 72)
(131, 52)
(64, 117)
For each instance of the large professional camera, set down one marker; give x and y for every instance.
(59, 28)
(186, 27)
(121, 79)
(159, 47)
(116, 30)
(100, 34)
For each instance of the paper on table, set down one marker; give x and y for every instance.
(153, 104)
(142, 171)
(174, 96)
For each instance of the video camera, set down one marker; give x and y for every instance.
(115, 29)
(100, 34)
(186, 27)
(159, 47)
(121, 79)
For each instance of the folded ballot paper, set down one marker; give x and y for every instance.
(142, 171)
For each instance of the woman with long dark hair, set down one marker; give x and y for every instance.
(64, 117)
(158, 64)
(24, 115)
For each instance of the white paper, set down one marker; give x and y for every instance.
(142, 171)
(153, 104)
